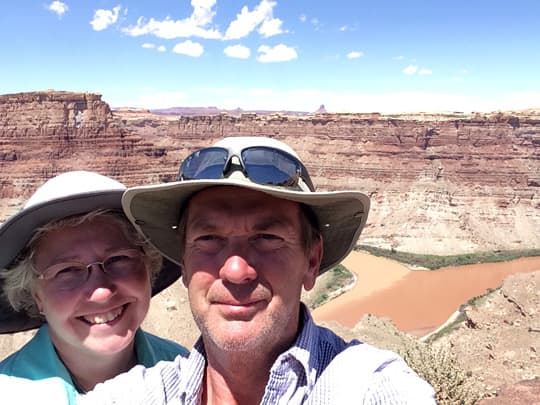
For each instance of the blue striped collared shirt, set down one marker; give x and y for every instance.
(320, 368)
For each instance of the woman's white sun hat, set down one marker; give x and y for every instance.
(70, 193)
(155, 210)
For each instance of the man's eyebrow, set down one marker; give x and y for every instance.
(202, 224)
(271, 222)
(207, 224)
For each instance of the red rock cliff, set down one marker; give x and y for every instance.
(439, 183)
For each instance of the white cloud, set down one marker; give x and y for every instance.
(270, 27)
(400, 57)
(104, 18)
(246, 21)
(237, 51)
(202, 12)
(189, 48)
(58, 7)
(278, 53)
(410, 70)
(194, 26)
(302, 18)
(355, 55)
(170, 29)
(414, 69)
(159, 48)
(343, 28)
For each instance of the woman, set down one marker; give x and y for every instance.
(72, 260)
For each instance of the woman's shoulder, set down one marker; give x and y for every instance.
(28, 360)
(160, 348)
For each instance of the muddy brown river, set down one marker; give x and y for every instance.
(417, 301)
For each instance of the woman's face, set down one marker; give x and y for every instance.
(100, 314)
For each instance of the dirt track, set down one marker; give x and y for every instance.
(416, 301)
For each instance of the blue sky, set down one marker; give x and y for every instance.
(350, 55)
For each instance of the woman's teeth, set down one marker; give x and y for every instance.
(105, 317)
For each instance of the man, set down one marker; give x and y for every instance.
(249, 230)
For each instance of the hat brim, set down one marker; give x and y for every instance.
(155, 212)
(17, 231)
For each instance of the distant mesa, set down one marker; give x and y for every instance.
(321, 110)
(207, 111)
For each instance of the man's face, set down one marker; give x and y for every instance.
(244, 267)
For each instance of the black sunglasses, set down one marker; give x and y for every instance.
(261, 164)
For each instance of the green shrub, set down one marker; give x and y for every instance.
(439, 366)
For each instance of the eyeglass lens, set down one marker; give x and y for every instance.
(71, 275)
(268, 166)
(206, 163)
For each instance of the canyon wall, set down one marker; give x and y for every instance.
(439, 183)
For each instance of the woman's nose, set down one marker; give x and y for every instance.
(100, 286)
(236, 269)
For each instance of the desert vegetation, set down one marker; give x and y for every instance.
(434, 262)
(439, 366)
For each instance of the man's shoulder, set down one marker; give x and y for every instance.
(331, 343)
(369, 357)
(364, 371)
(338, 351)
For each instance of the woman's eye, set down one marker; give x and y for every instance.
(69, 271)
(118, 259)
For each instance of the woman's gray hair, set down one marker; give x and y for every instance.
(20, 278)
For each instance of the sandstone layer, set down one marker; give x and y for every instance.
(439, 183)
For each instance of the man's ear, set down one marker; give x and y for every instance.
(314, 264)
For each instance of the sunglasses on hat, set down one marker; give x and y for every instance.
(261, 164)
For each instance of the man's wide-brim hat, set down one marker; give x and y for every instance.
(70, 193)
(156, 209)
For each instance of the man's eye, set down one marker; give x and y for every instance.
(207, 238)
(267, 241)
(268, 236)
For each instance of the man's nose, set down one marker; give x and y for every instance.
(236, 269)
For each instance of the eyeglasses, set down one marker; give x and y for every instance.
(261, 164)
(72, 275)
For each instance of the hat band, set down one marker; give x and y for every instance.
(261, 164)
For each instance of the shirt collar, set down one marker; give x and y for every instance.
(304, 350)
(302, 354)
